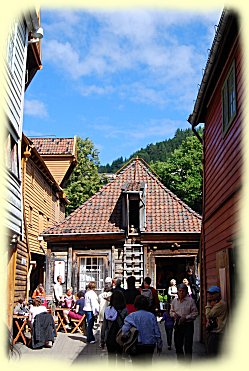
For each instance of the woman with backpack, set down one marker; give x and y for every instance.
(149, 335)
(151, 294)
(114, 317)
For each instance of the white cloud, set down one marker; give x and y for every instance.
(96, 90)
(34, 107)
(141, 45)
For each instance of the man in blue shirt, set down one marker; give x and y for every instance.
(148, 330)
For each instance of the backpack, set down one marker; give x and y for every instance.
(148, 294)
(128, 343)
(115, 326)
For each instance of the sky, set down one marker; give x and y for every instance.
(123, 79)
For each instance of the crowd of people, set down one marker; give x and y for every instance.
(122, 308)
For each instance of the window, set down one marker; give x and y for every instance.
(92, 268)
(41, 222)
(30, 216)
(229, 99)
(12, 162)
(11, 46)
(133, 208)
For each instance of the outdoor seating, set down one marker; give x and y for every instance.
(77, 323)
(21, 322)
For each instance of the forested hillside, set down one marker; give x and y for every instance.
(152, 153)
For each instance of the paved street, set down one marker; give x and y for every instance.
(72, 349)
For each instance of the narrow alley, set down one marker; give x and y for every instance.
(73, 350)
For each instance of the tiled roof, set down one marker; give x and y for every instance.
(165, 212)
(54, 146)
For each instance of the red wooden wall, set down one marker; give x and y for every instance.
(223, 165)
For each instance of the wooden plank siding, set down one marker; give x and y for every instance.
(58, 166)
(22, 261)
(43, 200)
(223, 164)
(16, 78)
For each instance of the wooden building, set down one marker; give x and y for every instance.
(132, 226)
(219, 105)
(59, 154)
(22, 61)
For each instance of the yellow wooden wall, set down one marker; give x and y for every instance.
(58, 166)
(47, 208)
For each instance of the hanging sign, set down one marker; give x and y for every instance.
(59, 270)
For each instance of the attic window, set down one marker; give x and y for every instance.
(134, 213)
(133, 208)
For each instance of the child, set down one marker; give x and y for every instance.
(169, 325)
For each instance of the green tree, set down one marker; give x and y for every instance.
(85, 180)
(182, 172)
(159, 151)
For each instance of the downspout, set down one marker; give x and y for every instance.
(26, 155)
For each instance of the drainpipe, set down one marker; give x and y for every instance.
(26, 155)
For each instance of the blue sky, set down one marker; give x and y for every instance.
(124, 79)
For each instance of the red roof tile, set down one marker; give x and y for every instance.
(165, 212)
(54, 146)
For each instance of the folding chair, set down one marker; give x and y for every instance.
(77, 323)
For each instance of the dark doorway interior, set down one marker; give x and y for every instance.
(134, 213)
(37, 274)
(171, 267)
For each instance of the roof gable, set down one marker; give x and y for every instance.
(102, 213)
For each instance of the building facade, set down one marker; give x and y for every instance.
(22, 61)
(132, 226)
(219, 105)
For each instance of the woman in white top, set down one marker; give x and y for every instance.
(91, 309)
(186, 282)
(35, 309)
(172, 291)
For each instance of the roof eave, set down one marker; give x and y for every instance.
(195, 117)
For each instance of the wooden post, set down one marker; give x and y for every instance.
(48, 272)
(69, 267)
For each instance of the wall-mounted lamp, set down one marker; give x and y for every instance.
(36, 35)
(154, 248)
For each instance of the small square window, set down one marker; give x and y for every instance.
(229, 106)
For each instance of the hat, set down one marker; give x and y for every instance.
(213, 289)
(108, 280)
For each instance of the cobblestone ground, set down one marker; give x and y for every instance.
(72, 349)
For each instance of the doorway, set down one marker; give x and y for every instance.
(172, 267)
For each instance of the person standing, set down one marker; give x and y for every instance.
(149, 335)
(91, 309)
(117, 285)
(184, 312)
(104, 300)
(186, 282)
(172, 290)
(131, 293)
(114, 317)
(216, 316)
(169, 325)
(58, 291)
(193, 283)
(152, 295)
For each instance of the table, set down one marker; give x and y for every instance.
(20, 322)
(59, 311)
